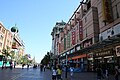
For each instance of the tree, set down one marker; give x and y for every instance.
(24, 59)
(46, 59)
(6, 52)
(12, 54)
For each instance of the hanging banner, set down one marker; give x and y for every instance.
(73, 37)
(68, 40)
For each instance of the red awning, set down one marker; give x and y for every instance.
(76, 57)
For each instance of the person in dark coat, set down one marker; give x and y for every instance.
(4, 62)
(116, 73)
(11, 65)
(99, 73)
(41, 67)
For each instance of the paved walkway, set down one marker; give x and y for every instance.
(80, 76)
(85, 76)
(35, 74)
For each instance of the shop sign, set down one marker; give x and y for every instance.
(118, 50)
(80, 30)
(110, 32)
(105, 53)
(73, 36)
(106, 34)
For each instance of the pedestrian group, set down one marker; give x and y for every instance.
(56, 73)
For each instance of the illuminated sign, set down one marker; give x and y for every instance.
(103, 53)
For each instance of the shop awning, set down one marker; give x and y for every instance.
(76, 57)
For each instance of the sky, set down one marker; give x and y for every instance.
(35, 20)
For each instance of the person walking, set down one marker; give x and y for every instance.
(4, 62)
(59, 73)
(71, 71)
(41, 67)
(106, 74)
(54, 73)
(27, 66)
(14, 64)
(23, 66)
(11, 65)
(44, 68)
(99, 73)
(116, 73)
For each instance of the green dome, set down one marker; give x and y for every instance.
(14, 29)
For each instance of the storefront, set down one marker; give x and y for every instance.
(105, 58)
(78, 62)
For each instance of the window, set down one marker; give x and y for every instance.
(0, 28)
(7, 42)
(0, 44)
(10, 43)
(1, 37)
(118, 6)
(86, 32)
(3, 30)
(88, 4)
(116, 11)
(85, 19)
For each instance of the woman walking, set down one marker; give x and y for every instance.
(59, 73)
(54, 73)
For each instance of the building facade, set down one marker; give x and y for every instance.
(2, 37)
(10, 41)
(56, 40)
(91, 36)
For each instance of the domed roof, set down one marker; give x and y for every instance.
(14, 29)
